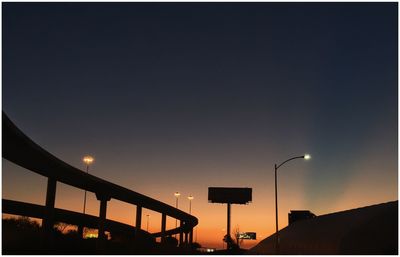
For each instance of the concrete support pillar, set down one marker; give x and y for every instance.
(48, 221)
(80, 230)
(228, 227)
(102, 215)
(191, 237)
(186, 238)
(138, 225)
(163, 226)
(181, 233)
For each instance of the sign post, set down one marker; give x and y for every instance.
(229, 195)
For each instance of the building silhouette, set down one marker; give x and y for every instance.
(297, 215)
(367, 230)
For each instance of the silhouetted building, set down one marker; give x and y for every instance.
(300, 215)
(367, 230)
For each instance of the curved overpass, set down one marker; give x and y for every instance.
(21, 150)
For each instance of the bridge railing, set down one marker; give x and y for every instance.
(21, 150)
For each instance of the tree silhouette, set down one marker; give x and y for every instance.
(21, 235)
(236, 235)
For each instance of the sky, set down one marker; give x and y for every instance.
(184, 96)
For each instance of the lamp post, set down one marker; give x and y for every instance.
(176, 194)
(190, 197)
(87, 160)
(306, 157)
(147, 227)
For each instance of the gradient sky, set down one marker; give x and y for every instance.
(182, 96)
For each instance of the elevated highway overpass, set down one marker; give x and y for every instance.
(21, 150)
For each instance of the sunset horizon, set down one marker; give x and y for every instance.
(152, 104)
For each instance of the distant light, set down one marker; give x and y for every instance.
(91, 235)
(88, 159)
(177, 194)
(190, 197)
(307, 156)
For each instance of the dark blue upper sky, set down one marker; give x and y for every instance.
(195, 90)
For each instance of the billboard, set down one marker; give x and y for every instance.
(229, 195)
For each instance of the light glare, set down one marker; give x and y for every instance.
(88, 159)
(307, 156)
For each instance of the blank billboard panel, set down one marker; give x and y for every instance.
(229, 195)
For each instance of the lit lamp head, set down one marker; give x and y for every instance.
(307, 157)
(190, 198)
(177, 194)
(88, 160)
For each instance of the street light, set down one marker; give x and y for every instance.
(176, 194)
(190, 197)
(87, 160)
(147, 227)
(306, 157)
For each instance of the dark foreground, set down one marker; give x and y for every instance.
(22, 236)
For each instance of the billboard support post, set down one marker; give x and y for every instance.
(229, 195)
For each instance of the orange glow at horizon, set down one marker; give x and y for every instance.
(257, 216)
